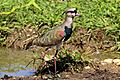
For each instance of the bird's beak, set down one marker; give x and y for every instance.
(77, 14)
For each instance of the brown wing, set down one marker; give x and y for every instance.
(51, 38)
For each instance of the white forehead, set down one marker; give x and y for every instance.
(71, 9)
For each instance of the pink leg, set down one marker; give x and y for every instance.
(55, 64)
(57, 48)
(44, 53)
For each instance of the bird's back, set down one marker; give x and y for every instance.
(51, 38)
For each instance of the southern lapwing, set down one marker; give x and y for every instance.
(58, 34)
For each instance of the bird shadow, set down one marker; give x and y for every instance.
(63, 64)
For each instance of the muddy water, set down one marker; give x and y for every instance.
(13, 62)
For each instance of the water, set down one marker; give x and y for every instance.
(13, 62)
(18, 73)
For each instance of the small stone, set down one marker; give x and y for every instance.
(118, 64)
(44, 77)
(103, 63)
(67, 76)
(58, 75)
(49, 76)
(87, 67)
(28, 35)
(34, 32)
(34, 76)
(116, 61)
(30, 30)
(109, 61)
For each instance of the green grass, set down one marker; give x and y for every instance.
(95, 14)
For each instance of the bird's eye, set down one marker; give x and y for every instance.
(75, 11)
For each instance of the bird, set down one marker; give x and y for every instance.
(58, 34)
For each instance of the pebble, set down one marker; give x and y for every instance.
(30, 30)
(116, 61)
(109, 61)
(58, 75)
(28, 35)
(118, 64)
(87, 67)
(49, 76)
(103, 63)
(67, 76)
(34, 76)
(44, 77)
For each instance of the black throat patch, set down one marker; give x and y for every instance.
(68, 32)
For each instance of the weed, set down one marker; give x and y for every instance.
(95, 13)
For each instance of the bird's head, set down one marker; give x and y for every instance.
(72, 12)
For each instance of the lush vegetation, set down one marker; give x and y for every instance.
(95, 14)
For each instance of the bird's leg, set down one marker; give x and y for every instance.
(44, 53)
(42, 58)
(57, 49)
(55, 64)
(55, 60)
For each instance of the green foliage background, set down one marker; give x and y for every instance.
(95, 14)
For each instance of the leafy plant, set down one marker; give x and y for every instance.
(95, 13)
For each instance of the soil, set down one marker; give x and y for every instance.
(98, 72)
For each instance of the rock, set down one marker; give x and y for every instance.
(49, 76)
(116, 61)
(109, 61)
(87, 67)
(118, 64)
(58, 75)
(44, 77)
(103, 63)
(67, 76)
(34, 76)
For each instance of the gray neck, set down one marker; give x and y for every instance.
(68, 22)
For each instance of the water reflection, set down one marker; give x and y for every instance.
(13, 62)
(28, 72)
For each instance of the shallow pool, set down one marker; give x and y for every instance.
(13, 62)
